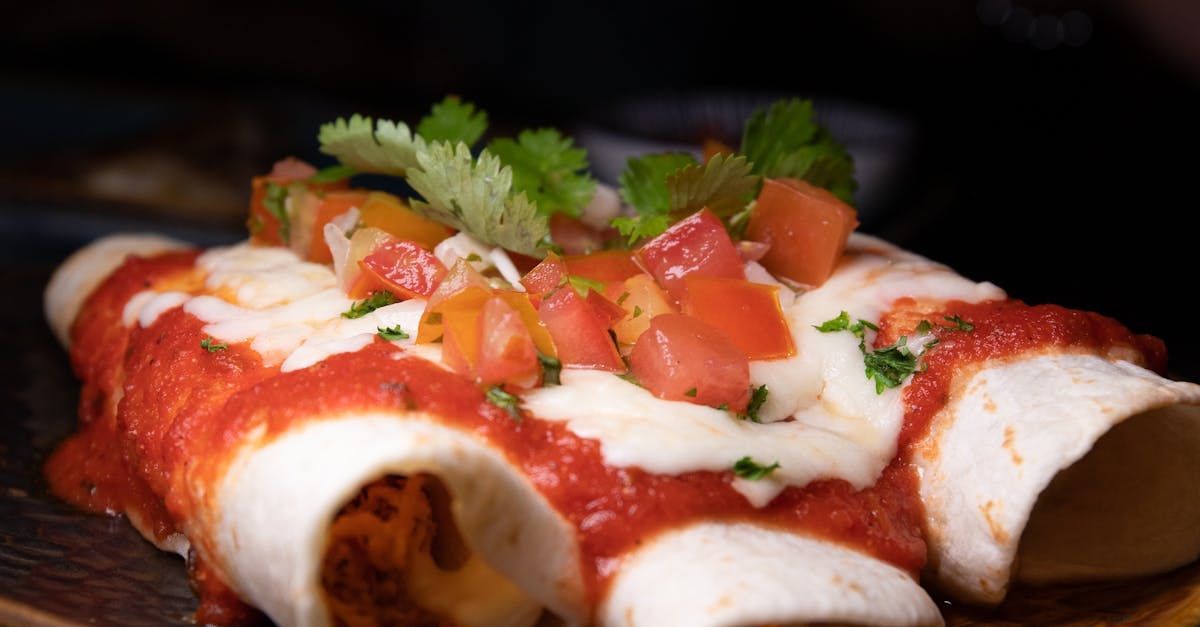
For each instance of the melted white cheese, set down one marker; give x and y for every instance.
(823, 417)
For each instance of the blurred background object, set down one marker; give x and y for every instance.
(1042, 145)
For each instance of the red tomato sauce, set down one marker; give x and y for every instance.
(185, 411)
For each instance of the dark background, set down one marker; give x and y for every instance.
(1047, 146)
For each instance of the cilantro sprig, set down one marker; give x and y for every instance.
(369, 304)
(548, 169)
(747, 468)
(785, 140)
(888, 366)
(392, 334)
(453, 120)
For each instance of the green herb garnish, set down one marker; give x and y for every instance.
(758, 398)
(551, 369)
(509, 403)
(691, 393)
(959, 324)
(275, 200)
(369, 304)
(209, 345)
(747, 468)
(453, 120)
(549, 169)
(332, 173)
(581, 285)
(392, 334)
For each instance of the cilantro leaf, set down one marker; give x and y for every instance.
(382, 147)
(332, 173)
(724, 185)
(392, 334)
(747, 468)
(924, 326)
(551, 369)
(473, 195)
(840, 323)
(889, 366)
(644, 181)
(581, 285)
(509, 403)
(785, 140)
(453, 120)
(959, 324)
(758, 398)
(369, 304)
(641, 227)
(691, 392)
(548, 169)
(209, 345)
(275, 201)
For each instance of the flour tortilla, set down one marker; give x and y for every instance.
(1060, 467)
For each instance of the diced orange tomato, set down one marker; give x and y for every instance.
(506, 350)
(522, 304)
(573, 236)
(697, 245)
(605, 266)
(805, 226)
(642, 299)
(460, 340)
(580, 331)
(713, 147)
(264, 227)
(680, 358)
(462, 288)
(385, 211)
(546, 276)
(332, 205)
(748, 313)
(405, 268)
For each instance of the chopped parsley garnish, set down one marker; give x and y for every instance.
(924, 326)
(637, 311)
(889, 366)
(581, 285)
(209, 345)
(369, 304)
(474, 257)
(785, 140)
(758, 398)
(747, 468)
(551, 369)
(959, 324)
(840, 323)
(453, 120)
(332, 173)
(392, 334)
(509, 403)
(691, 393)
(275, 201)
(622, 298)
(547, 168)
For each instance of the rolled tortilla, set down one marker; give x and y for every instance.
(1060, 467)
(267, 528)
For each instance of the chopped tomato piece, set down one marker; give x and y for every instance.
(546, 276)
(460, 340)
(332, 205)
(265, 226)
(748, 313)
(573, 236)
(697, 245)
(523, 305)
(407, 269)
(506, 350)
(805, 226)
(680, 358)
(385, 211)
(463, 288)
(642, 299)
(580, 331)
(606, 266)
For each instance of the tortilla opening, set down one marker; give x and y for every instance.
(1129, 508)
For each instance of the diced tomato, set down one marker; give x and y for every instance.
(580, 331)
(463, 288)
(573, 236)
(546, 276)
(748, 313)
(460, 340)
(506, 351)
(385, 211)
(697, 245)
(405, 268)
(680, 358)
(332, 205)
(605, 266)
(522, 304)
(805, 226)
(642, 299)
(263, 225)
